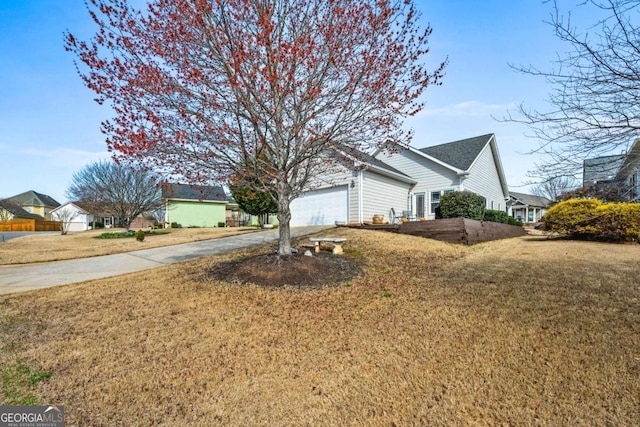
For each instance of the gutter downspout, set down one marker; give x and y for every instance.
(360, 197)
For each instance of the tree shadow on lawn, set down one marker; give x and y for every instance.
(297, 270)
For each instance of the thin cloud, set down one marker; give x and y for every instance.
(467, 109)
(66, 157)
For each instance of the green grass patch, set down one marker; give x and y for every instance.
(19, 382)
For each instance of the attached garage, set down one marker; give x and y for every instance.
(321, 207)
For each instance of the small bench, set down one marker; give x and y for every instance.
(337, 243)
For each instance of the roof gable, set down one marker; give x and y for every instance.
(375, 164)
(530, 199)
(194, 192)
(16, 210)
(459, 154)
(32, 198)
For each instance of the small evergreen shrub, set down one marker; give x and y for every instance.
(513, 221)
(496, 216)
(593, 219)
(221, 224)
(117, 235)
(140, 235)
(463, 204)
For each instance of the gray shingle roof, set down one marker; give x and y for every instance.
(531, 200)
(193, 192)
(32, 198)
(459, 154)
(16, 211)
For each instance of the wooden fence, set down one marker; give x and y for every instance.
(29, 225)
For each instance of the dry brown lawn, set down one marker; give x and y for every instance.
(55, 247)
(512, 332)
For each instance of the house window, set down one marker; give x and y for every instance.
(420, 205)
(530, 219)
(435, 201)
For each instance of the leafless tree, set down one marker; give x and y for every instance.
(65, 216)
(118, 189)
(5, 214)
(594, 104)
(554, 187)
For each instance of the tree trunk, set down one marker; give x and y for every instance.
(284, 217)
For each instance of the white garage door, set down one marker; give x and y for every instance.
(320, 207)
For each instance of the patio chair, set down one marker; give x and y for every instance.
(395, 219)
(409, 215)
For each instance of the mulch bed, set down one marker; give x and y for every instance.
(297, 270)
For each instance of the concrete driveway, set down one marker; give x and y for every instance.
(6, 235)
(21, 278)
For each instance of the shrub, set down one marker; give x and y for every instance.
(513, 221)
(496, 216)
(573, 217)
(592, 219)
(174, 225)
(221, 224)
(140, 235)
(117, 235)
(462, 204)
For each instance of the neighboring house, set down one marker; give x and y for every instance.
(10, 210)
(194, 206)
(527, 207)
(82, 216)
(36, 203)
(142, 222)
(621, 171)
(410, 181)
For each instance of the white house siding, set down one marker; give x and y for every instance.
(325, 206)
(338, 177)
(483, 179)
(81, 220)
(380, 194)
(430, 175)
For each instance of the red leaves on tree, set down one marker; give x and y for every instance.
(202, 88)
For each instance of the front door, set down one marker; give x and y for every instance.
(419, 209)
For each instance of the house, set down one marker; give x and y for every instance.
(527, 207)
(83, 216)
(194, 206)
(471, 164)
(410, 181)
(620, 173)
(356, 190)
(10, 210)
(36, 203)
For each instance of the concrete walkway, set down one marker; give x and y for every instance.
(29, 277)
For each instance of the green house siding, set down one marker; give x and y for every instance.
(196, 214)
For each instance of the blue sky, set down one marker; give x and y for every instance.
(49, 123)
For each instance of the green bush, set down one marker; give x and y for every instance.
(174, 225)
(462, 204)
(513, 221)
(117, 235)
(140, 235)
(592, 219)
(496, 216)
